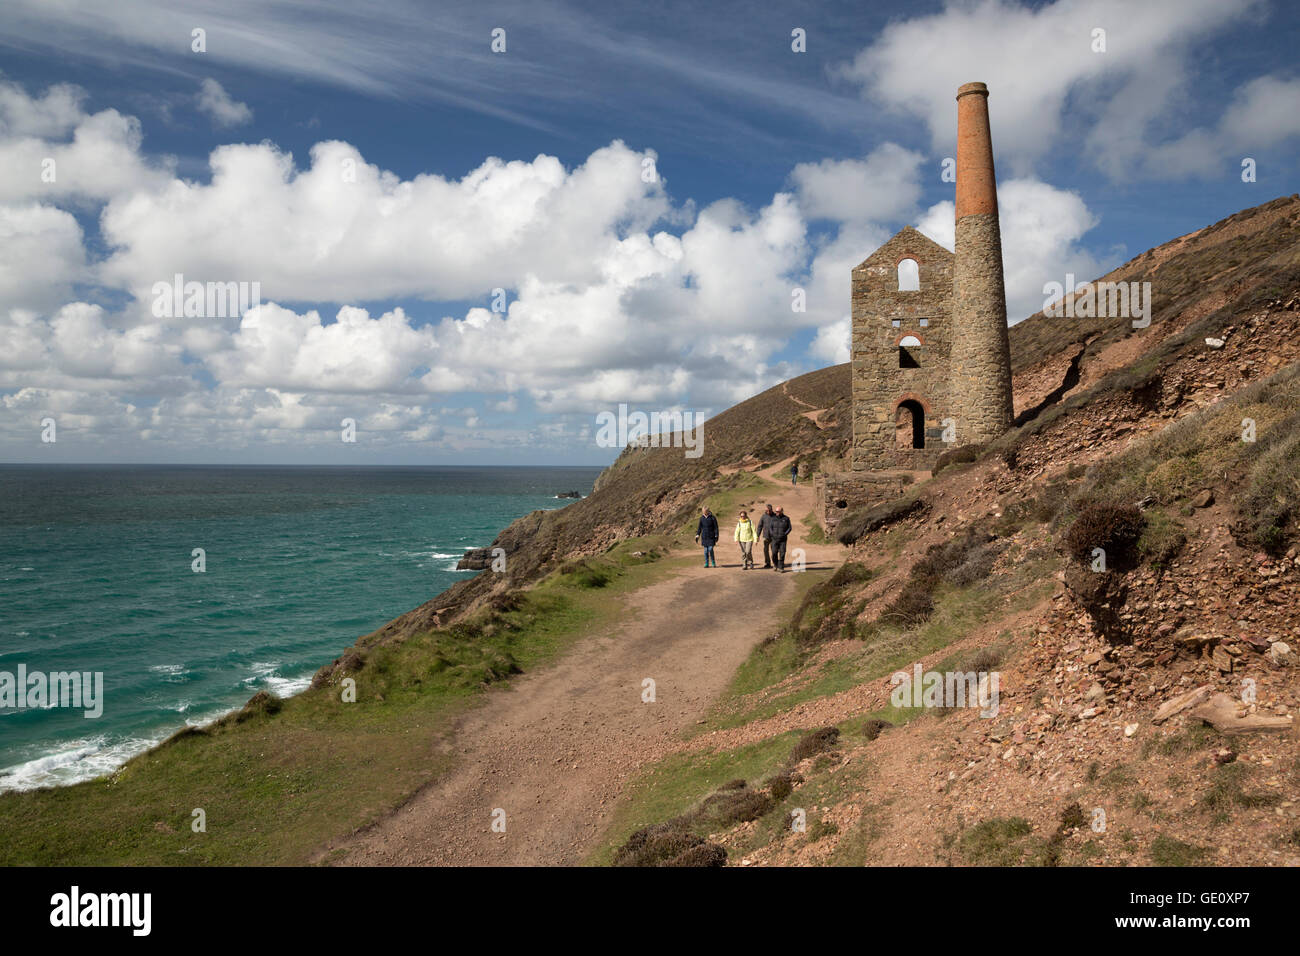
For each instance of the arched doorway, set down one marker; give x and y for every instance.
(909, 424)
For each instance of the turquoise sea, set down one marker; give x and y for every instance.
(96, 576)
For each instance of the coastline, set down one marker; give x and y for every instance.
(160, 704)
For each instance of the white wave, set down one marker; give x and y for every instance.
(288, 686)
(95, 756)
(80, 760)
(261, 671)
(172, 673)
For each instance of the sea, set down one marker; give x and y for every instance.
(191, 588)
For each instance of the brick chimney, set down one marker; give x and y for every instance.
(981, 357)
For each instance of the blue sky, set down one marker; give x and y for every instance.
(647, 183)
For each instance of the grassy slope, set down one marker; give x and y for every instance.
(274, 786)
(1170, 467)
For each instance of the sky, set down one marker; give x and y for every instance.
(469, 229)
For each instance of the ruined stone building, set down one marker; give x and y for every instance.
(931, 367)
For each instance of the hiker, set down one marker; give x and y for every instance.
(765, 532)
(746, 535)
(707, 534)
(780, 531)
(794, 474)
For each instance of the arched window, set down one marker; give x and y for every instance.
(909, 424)
(909, 276)
(909, 355)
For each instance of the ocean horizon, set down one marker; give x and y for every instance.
(100, 575)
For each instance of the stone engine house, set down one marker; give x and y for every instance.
(931, 363)
(902, 311)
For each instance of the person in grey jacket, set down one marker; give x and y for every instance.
(780, 531)
(764, 532)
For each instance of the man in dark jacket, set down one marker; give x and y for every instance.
(764, 523)
(706, 533)
(779, 528)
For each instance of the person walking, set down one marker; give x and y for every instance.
(780, 532)
(794, 474)
(706, 533)
(765, 532)
(746, 536)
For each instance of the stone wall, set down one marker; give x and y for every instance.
(839, 492)
(879, 384)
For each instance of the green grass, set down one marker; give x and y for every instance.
(1166, 851)
(275, 787)
(1227, 792)
(815, 533)
(883, 651)
(1002, 841)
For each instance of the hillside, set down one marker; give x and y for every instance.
(1146, 705)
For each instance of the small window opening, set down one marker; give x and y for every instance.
(909, 276)
(909, 352)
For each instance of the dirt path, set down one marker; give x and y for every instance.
(814, 414)
(554, 748)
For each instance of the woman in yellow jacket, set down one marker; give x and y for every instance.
(746, 535)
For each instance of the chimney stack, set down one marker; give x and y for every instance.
(981, 356)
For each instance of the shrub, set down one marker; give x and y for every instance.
(781, 786)
(668, 844)
(825, 613)
(977, 564)
(1113, 528)
(813, 743)
(850, 572)
(729, 807)
(912, 607)
(873, 727)
(960, 561)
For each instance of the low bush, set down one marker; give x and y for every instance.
(1113, 528)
